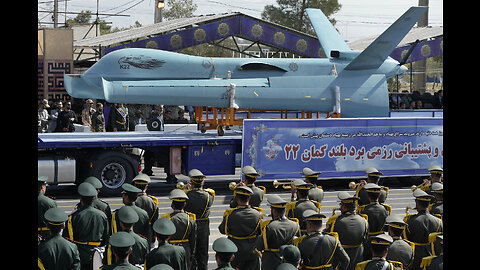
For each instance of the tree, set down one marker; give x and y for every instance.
(179, 9)
(291, 13)
(84, 18)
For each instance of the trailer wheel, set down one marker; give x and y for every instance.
(154, 125)
(113, 171)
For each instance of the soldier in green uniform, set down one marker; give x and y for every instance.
(166, 253)
(44, 203)
(224, 253)
(142, 226)
(258, 191)
(376, 213)
(275, 233)
(119, 118)
(242, 226)
(127, 217)
(56, 252)
(185, 224)
(311, 177)
(98, 203)
(400, 250)
(320, 251)
(373, 176)
(296, 208)
(291, 255)
(380, 244)
(147, 202)
(199, 202)
(420, 225)
(352, 229)
(436, 208)
(87, 226)
(121, 245)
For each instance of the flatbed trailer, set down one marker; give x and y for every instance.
(115, 157)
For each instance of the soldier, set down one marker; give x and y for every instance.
(121, 245)
(258, 191)
(436, 208)
(87, 226)
(379, 248)
(373, 176)
(242, 226)
(320, 250)
(186, 227)
(275, 233)
(119, 118)
(147, 202)
(290, 255)
(44, 203)
(311, 177)
(57, 252)
(420, 225)
(436, 176)
(225, 250)
(352, 229)
(166, 253)
(295, 209)
(98, 203)
(127, 217)
(400, 250)
(376, 213)
(199, 202)
(141, 227)
(434, 262)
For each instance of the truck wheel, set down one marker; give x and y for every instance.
(154, 125)
(113, 171)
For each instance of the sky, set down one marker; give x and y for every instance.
(356, 19)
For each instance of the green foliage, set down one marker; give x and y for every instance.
(178, 9)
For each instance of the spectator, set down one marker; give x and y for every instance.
(87, 114)
(181, 117)
(438, 100)
(412, 105)
(98, 119)
(65, 119)
(119, 118)
(167, 117)
(56, 108)
(418, 105)
(403, 106)
(43, 116)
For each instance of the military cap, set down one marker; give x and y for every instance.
(126, 214)
(371, 171)
(164, 226)
(435, 169)
(300, 184)
(129, 188)
(290, 253)
(196, 176)
(286, 266)
(244, 190)
(344, 197)
(372, 187)
(437, 187)
(309, 172)
(276, 201)
(121, 240)
(422, 195)
(178, 195)
(55, 216)
(381, 239)
(224, 245)
(94, 182)
(87, 190)
(395, 222)
(250, 171)
(42, 180)
(141, 178)
(161, 266)
(310, 214)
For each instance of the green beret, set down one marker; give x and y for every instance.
(121, 239)
(87, 190)
(55, 216)
(286, 266)
(164, 226)
(161, 266)
(225, 245)
(94, 182)
(126, 214)
(129, 188)
(290, 253)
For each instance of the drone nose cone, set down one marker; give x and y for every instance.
(403, 69)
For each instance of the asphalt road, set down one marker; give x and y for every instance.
(399, 197)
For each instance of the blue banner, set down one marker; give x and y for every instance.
(342, 148)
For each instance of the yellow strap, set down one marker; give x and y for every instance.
(155, 200)
(333, 252)
(206, 206)
(70, 227)
(263, 228)
(351, 246)
(426, 261)
(109, 255)
(314, 267)
(40, 264)
(114, 223)
(43, 229)
(89, 243)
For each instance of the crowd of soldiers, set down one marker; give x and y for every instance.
(363, 236)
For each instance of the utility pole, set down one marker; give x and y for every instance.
(55, 13)
(159, 5)
(420, 66)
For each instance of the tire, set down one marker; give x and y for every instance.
(154, 125)
(113, 169)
